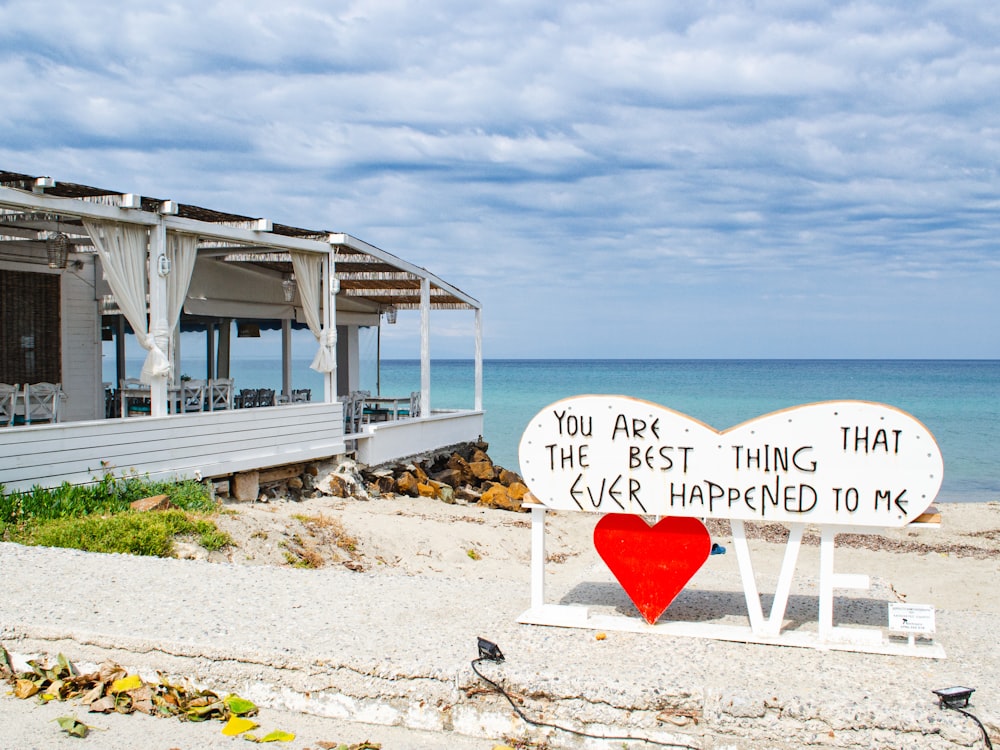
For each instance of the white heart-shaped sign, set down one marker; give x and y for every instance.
(852, 463)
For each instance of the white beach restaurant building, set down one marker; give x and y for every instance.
(81, 266)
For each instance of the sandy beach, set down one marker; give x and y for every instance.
(368, 610)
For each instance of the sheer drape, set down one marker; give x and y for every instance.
(122, 250)
(309, 273)
(182, 250)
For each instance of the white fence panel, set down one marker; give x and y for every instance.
(178, 446)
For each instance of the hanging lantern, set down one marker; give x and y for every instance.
(390, 315)
(57, 249)
(289, 287)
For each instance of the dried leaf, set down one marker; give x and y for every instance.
(72, 726)
(104, 705)
(204, 713)
(238, 725)
(25, 689)
(240, 706)
(277, 736)
(6, 665)
(67, 665)
(123, 685)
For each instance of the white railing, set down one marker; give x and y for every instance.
(181, 446)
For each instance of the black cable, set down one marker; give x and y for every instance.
(521, 713)
(986, 736)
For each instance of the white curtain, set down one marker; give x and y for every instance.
(309, 273)
(122, 250)
(182, 250)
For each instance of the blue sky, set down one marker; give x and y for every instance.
(781, 178)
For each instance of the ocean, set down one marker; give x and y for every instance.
(958, 400)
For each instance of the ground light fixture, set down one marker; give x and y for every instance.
(957, 699)
(952, 697)
(489, 651)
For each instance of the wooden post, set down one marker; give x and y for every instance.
(425, 347)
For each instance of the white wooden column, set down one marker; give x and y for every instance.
(425, 347)
(225, 344)
(286, 358)
(210, 351)
(331, 286)
(158, 313)
(479, 360)
(175, 356)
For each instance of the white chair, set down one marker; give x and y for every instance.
(8, 400)
(220, 394)
(134, 397)
(41, 402)
(193, 395)
(354, 410)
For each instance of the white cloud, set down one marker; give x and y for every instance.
(595, 172)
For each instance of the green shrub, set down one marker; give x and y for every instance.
(98, 517)
(109, 495)
(128, 533)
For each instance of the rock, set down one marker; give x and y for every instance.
(156, 502)
(189, 551)
(497, 496)
(468, 494)
(428, 489)
(479, 455)
(507, 477)
(312, 470)
(383, 485)
(459, 465)
(407, 484)
(337, 486)
(451, 477)
(446, 494)
(482, 470)
(517, 491)
(295, 483)
(246, 486)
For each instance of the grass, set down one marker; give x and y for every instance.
(98, 517)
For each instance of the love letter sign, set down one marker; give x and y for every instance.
(849, 463)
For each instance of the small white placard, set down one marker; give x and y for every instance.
(911, 618)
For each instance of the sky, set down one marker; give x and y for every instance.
(638, 178)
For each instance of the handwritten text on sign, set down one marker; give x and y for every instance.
(837, 462)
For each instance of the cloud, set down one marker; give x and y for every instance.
(621, 179)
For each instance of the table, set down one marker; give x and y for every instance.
(137, 394)
(384, 405)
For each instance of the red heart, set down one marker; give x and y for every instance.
(652, 563)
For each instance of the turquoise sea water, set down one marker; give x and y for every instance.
(959, 401)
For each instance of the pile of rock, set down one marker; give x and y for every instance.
(462, 474)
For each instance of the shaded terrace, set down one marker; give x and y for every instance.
(190, 266)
